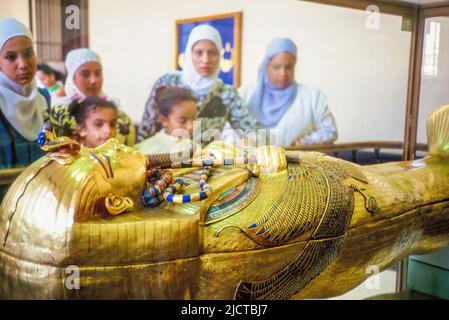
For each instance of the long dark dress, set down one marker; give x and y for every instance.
(15, 150)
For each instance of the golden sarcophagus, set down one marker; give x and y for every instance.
(294, 225)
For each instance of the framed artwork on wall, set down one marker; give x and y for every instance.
(229, 25)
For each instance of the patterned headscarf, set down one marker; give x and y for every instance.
(75, 59)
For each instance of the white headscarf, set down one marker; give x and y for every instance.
(74, 60)
(199, 84)
(22, 105)
(10, 28)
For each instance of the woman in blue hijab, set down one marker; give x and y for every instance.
(295, 113)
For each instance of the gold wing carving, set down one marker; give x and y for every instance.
(313, 201)
(316, 203)
(295, 276)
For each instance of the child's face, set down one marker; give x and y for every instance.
(17, 60)
(99, 126)
(181, 116)
(47, 80)
(89, 78)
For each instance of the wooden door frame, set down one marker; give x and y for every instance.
(417, 15)
(414, 81)
(413, 96)
(404, 10)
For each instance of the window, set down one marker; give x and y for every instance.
(59, 26)
(431, 50)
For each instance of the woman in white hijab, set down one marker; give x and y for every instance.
(23, 107)
(85, 78)
(296, 114)
(219, 106)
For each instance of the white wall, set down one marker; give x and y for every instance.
(15, 9)
(435, 91)
(364, 72)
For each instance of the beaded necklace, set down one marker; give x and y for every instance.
(160, 186)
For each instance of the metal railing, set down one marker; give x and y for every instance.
(355, 147)
(7, 176)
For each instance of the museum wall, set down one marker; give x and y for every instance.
(17, 9)
(363, 71)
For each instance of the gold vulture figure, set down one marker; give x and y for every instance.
(297, 225)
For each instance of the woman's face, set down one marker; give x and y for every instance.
(205, 57)
(18, 60)
(99, 126)
(281, 70)
(89, 79)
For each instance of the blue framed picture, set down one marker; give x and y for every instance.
(229, 26)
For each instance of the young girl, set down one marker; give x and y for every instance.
(96, 120)
(84, 79)
(48, 80)
(176, 110)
